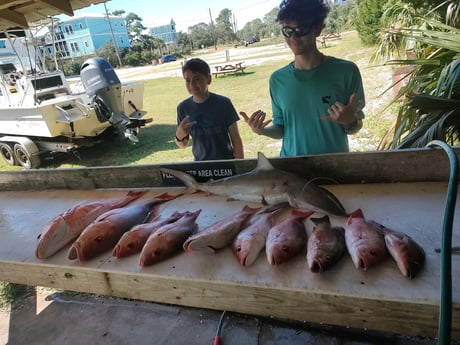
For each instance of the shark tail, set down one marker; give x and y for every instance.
(188, 180)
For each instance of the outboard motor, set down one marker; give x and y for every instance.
(101, 83)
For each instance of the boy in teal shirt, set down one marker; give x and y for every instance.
(317, 100)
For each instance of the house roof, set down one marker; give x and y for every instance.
(23, 13)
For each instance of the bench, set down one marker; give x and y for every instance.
(324, 38)
(228, 69)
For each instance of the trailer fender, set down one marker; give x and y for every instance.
(28, 144)
(25, 151)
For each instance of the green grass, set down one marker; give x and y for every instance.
(10, 292)
(248, 92)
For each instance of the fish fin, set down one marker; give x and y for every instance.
(210, 249)
(166, 196)
(276, 207)
(176, 215)
(72, 254)
(116, 251)
(193, 214)
(333, 198)
(304, 214)
(152, 217)
(136, 193)
(358, 213)
(263, 163)
(249, 209)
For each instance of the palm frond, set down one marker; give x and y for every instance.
(434, 127)
(431, 106)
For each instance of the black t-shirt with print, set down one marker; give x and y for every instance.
(210, 137)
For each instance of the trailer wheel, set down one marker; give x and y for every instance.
(7, 153)
(24, 158)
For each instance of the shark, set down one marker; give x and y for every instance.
(267, 185)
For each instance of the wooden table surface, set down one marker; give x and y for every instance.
(380, 299)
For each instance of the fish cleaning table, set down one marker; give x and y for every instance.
(380, 298)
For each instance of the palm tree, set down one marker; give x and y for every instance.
(431, 105)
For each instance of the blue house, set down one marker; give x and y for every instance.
(84, 35)
(167, 33)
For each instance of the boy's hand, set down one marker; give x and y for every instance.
(256, 121)
(185, 126)
(343, 114)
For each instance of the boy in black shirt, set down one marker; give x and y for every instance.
(210, 119)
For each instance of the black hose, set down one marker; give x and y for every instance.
(445, 308)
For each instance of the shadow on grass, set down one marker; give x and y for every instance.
(116, 151)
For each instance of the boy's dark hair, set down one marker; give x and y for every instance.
(305, 12)
(196, 65)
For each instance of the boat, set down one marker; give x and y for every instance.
(41, 114)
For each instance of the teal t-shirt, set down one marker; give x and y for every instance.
(300, 97)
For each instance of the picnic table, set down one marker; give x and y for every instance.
(324, 38)
(229, 68)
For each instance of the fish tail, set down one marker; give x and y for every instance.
(250, 209)
(188, 180)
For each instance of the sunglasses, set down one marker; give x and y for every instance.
(298, 31)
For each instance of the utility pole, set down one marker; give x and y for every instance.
(113, 36)
(53, 35)
(213, 32)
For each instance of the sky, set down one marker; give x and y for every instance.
(186, 13)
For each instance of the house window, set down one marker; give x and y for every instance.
(121, 40)
(68, 29)
(74, 47)
(86, 44)
(80, 25)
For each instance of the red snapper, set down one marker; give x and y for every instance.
(67, 226)
(286, 239)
